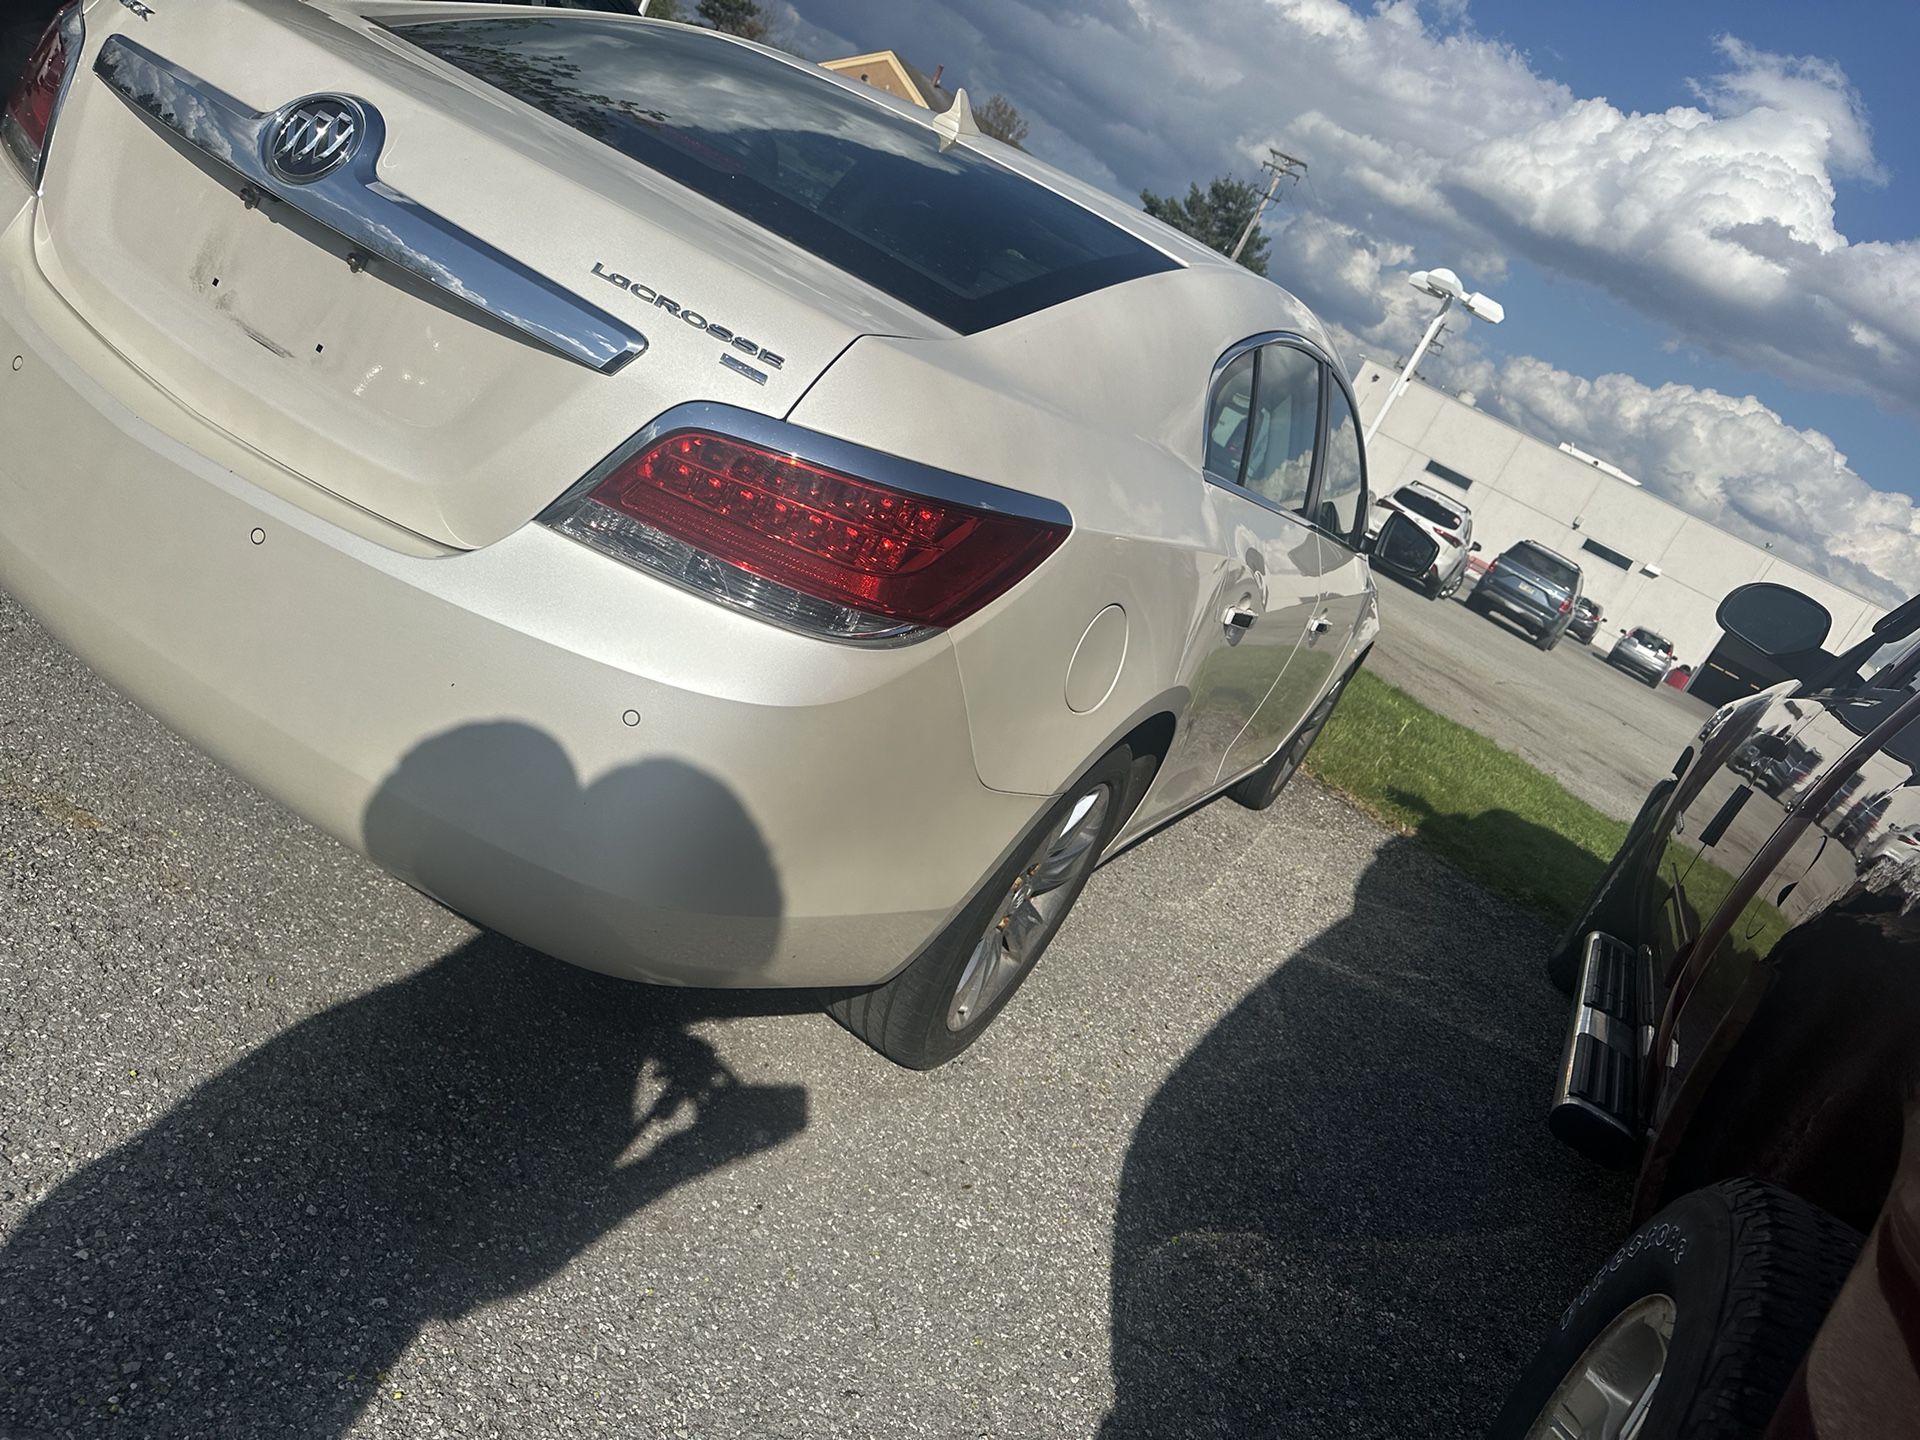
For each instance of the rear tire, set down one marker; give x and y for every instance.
(1260, 789)
(1739, 1277)
(1546, 641)
(943, 1002)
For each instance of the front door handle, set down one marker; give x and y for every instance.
(1238, 621)
(1319, 625)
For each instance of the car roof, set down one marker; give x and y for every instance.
(1544, 550)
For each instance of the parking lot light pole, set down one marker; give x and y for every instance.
(1445, 286)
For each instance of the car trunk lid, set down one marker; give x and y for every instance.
(388, 386)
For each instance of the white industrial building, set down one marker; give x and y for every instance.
(1646, 561)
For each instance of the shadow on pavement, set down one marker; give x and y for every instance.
(1529, 861)
(1342, 1214)
(250, 1264)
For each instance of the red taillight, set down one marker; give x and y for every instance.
(1448, 536)
(1565, 605)
(863, 549)
(29, 114)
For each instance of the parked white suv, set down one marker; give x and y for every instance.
(1423, 535)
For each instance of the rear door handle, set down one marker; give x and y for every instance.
(1319, 625)
(1239, 619)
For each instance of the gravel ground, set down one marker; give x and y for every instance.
(1603, 734)
(286, 1149)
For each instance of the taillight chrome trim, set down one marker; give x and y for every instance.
(74, 34)
(717, 580)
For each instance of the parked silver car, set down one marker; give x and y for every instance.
(1642, 653)
(681, 508)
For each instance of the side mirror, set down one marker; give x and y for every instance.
(1774, 619)
(1474, 548)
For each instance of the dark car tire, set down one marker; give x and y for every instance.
(1260, 789)
(1750, 1271)
(906, 1018)
(1546, 641)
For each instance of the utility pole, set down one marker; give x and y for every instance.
(1284, 167)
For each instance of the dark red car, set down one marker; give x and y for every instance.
(1745, 1034)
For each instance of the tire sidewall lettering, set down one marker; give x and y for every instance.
(1665, 1236)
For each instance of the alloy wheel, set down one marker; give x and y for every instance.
(1032, 908)
(1609, 1392)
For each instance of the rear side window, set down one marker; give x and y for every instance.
(955, 235)
(1546, 565)
(1227, 420)
(1286, 413)
(1343, 480)
(1427, 508)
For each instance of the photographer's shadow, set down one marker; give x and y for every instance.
(1343, 1209)
(252, 1263)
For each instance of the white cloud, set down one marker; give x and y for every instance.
(1361, 293)
(1715, 218)
(1730, 460)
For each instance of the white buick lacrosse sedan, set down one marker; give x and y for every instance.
(686, 511)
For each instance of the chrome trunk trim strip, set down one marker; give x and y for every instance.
(378, 221)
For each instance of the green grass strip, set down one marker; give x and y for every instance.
(1484, 810)
(1487, 812)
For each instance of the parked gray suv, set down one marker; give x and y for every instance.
(1533, 588)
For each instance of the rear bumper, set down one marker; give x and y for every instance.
(595, 763)
(1634, 665)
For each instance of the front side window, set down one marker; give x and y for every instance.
(1286, 416)
(1343, 482)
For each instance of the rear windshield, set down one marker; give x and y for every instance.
(1653, 641)
(955, 235)
(1545, 565)
(1427, 508)
(1586, 606)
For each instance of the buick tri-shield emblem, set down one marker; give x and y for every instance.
(315, 136)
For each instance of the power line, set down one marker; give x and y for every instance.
(1283, 167)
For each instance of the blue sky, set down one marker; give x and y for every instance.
(1641, 56)
(1701, 217)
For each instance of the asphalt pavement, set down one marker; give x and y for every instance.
(1601, 732)
(288, 1150)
